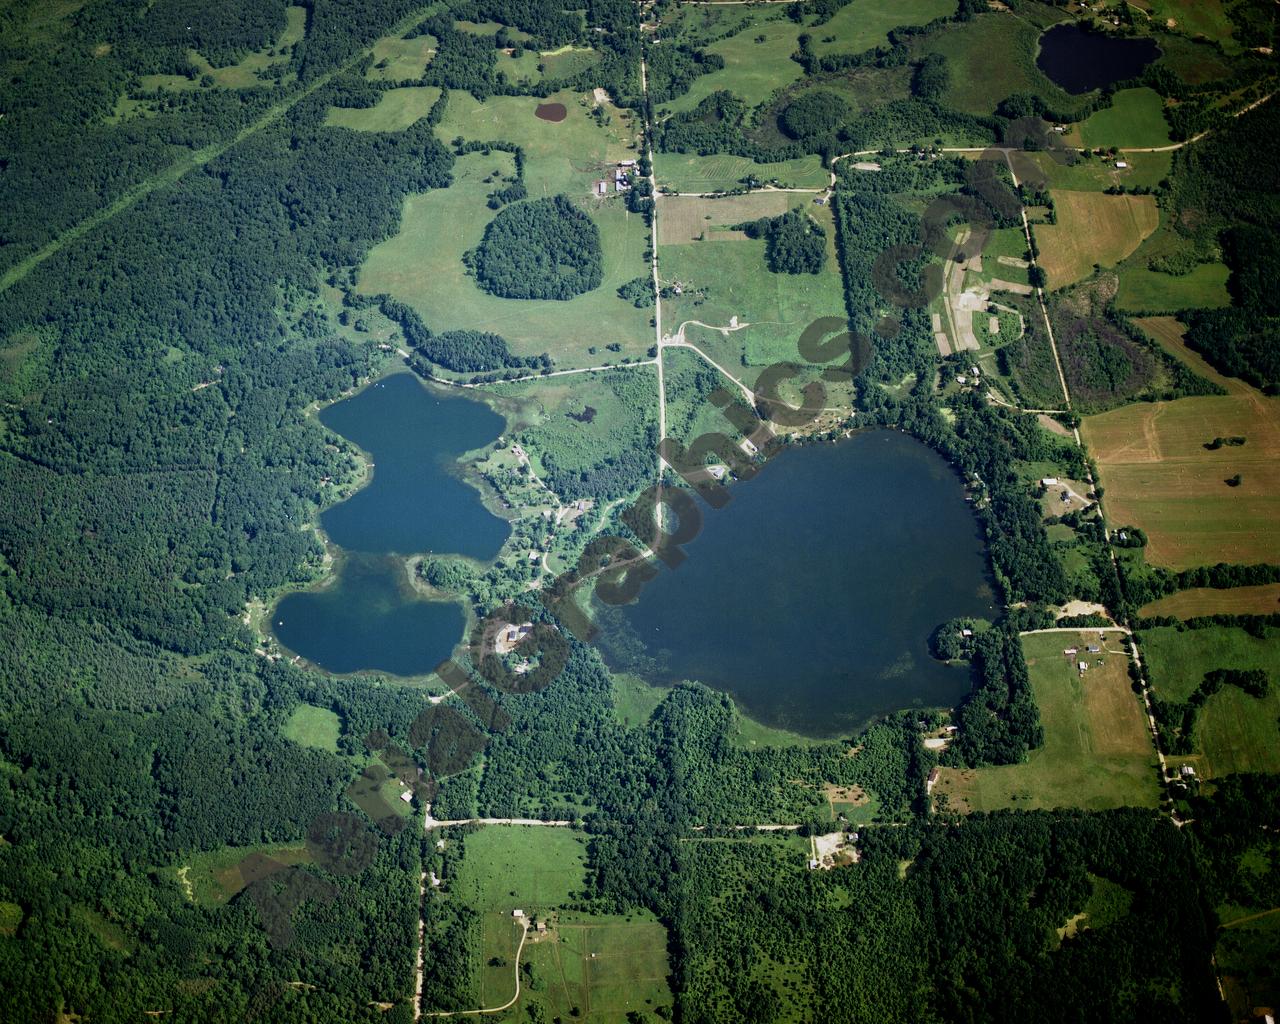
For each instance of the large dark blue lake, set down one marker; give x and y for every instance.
(1082, 61)
(811, 596)
(370, 616)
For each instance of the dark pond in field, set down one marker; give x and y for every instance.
(370, 617)
(551, 112)
(810, 597)
(1081, 61)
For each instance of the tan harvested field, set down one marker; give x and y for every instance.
(687, 218)
(1203, 601)
(1158, 475)
(1092, 227)
(1097, 751)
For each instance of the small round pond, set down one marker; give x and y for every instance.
(551, 112)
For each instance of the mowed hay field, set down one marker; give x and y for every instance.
(687, 172)
(723, 279)
(690, 218)
(1234, 732)
(395, 111)
(422, 265)
(1097, 752)
(1092, 227)
(1187, 604)
(1158, 475)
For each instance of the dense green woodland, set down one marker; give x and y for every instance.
(159, 472)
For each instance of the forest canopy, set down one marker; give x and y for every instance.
(543, 249)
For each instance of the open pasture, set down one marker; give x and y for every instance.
(1145, 290)
(1158, 474)
(1097, 751)
(422, 265)
(510, 867)
(720, 280)
(865, 24)
(533, 67)
(1234, 732)
(395, 110)
(401, 60)
(757, 60)
(1092, 228)
(1135, 119)
(1091, 173)
(566, 156)
(688, 172)
(604, 966)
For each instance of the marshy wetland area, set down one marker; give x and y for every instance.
(633, 512)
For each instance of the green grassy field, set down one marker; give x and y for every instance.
(531, 67)
(582, 419)
(1186, 604)
(422, 265)
(865, 24)
(566, 156)
(1234, 732)
(753, 67)
(313, 727)
(1093, 174)
(394, 112)
(520, 866)
(1195, 17)
(1144, 290)
(1134, 119)
(686, 172)
(725, 279)
(634, 700)
(602, 967)
(213, 877)
(400, 60)
(1097, 750)
(510, 867)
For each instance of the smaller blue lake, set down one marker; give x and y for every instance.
(1081, 61)
(370, 616)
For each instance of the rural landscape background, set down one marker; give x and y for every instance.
(697, 511)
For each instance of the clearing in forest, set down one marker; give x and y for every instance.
(1092, 228)
(1234, 732)
(1097, 752)
(313, 726)
(1159, 474)
(395, 110)
(605, 967)
(1186, 604)
(254, 70)
(401, 60)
